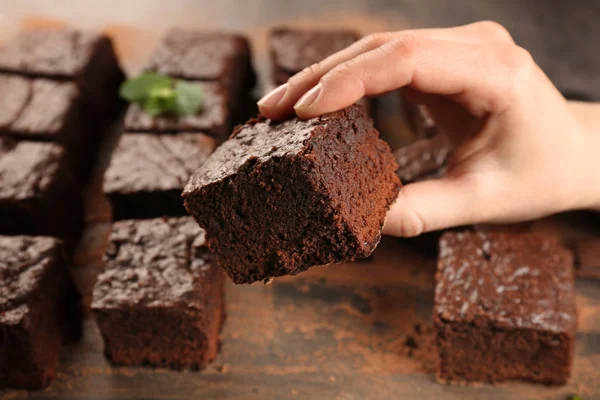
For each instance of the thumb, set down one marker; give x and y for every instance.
(437, 204)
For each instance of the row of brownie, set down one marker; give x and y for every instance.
(160, 299)
(504, 304)
(60, 91)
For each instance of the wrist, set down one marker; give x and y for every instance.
(587, 159)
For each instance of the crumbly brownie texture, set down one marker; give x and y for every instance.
(207, 56)
(423, 159)
(159, 301)
(213, 118)
(504, 308)
(587, 258)
(420, 120)
(278, 198)
(37, 195)
(38, 109)
(148, 172)
(292, 50)
(39, 309)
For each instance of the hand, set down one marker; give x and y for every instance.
(520, 151)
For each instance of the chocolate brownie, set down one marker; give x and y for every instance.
(39, 310)
(159, 301)
(38, 109)
(280, 197)
(504, 308)
(292, 50)
(86, 58)
(47, 110)
(207, 56)
(148, 172)
(37, 194)
(587, 258)
(419, 120)
(423, 159)
(214, 118)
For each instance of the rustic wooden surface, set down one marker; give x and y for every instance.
(355, 331)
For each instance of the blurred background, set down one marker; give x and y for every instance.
(561, 35)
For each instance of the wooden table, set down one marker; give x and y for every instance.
(352, 331)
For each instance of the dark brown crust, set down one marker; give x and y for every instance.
(69, 82)
(40, 310)
(587, 258)
(38, 196)
(423, 159)
(214, 119)
(159, 300)
(292, 50)
(298, 194)
(148, 172)
(504, 308)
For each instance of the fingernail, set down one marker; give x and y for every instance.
(273, 97)
(308, 98)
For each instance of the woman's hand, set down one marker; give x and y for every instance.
(520, 153)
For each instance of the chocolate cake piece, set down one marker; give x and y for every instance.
(38, 196)
(587, 258)
(292, 49)
(148, 172)
(83, 57)
(206, 56)
(423, 159)
(159, 301)
(280, 197)
(420, 121)
(39, 310)
(39, 109)
(504, 308)
(214, 118)
(48, 110)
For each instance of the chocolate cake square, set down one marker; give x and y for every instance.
(504, 308)
(159, 301)
(38, 196)
(83, 57)
(214, 118)
(587, 258)
(206, 56)
(39, 109)
(148, 172)
(420, 120)
(293, 49)
(39, 310)
(423, 159)
(280, 197)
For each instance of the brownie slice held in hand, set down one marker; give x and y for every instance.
(280, 197)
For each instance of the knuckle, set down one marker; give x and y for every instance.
(374, 40)
(405, 45)
(307, 73)
(516, 58)
(339, 72)
(495, 31)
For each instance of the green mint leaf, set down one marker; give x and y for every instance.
(189, 97)
(161, 100)
(137, 90)
(575, 398)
